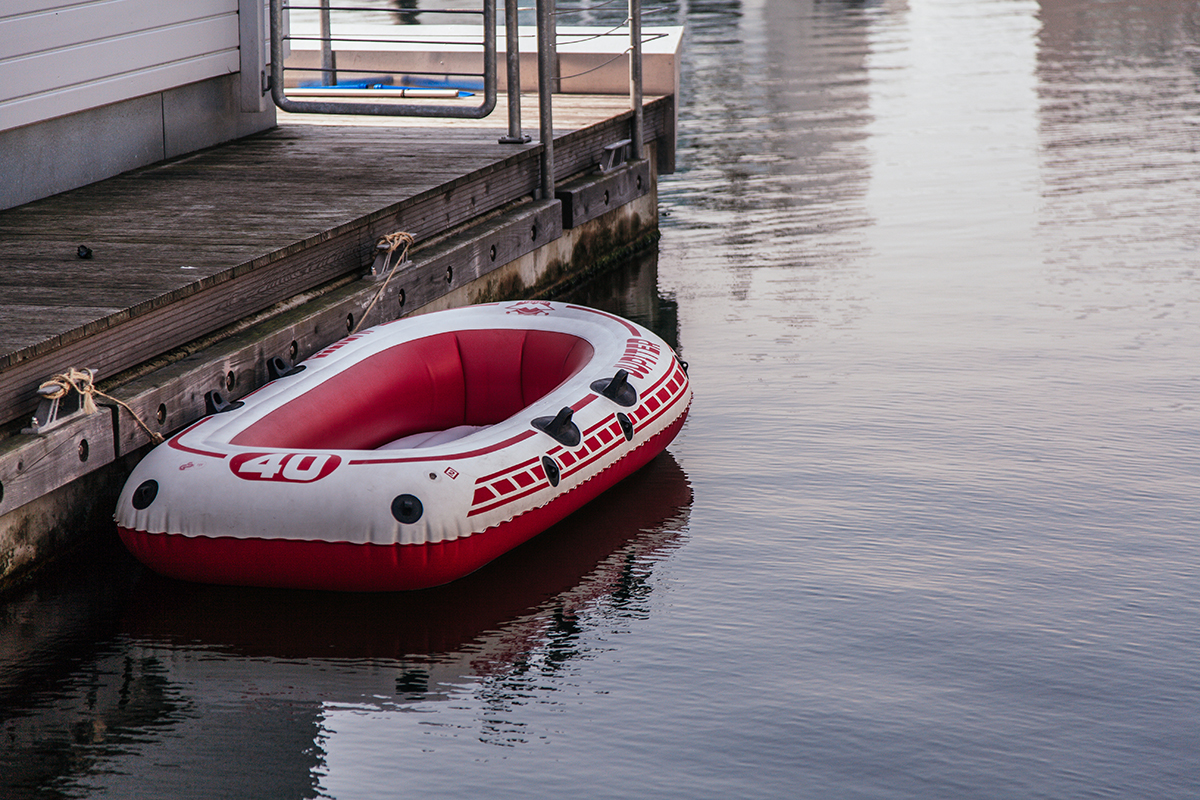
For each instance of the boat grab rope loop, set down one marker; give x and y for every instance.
(392, 242)
(82, 381)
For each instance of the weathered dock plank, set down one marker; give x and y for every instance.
(181, 249)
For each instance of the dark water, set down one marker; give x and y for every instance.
(932, 529)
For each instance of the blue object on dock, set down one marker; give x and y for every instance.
(373, 82)
(423, 82)
(385, 82)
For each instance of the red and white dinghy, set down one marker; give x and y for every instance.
(410, 454)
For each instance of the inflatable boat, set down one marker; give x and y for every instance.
(410, 454)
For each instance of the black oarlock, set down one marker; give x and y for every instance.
(617, 388)
(215, 403)
(560, 427)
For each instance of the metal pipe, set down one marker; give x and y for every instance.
(385, 10)
(546, 34)
(328, 65)
(513, 56)
(555, 70)
(635, 76)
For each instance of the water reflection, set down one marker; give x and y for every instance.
(1118, 126)
(772, 134)
(595, 554)
(631, 290)
(50, 648)
(188, 673)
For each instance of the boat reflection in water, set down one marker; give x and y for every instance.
(598, 553)
(196, 672)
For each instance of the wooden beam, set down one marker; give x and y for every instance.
(589, 196)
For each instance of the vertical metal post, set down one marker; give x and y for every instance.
(513, 53)
(546, 34)
(635, 75)
(555, 74)
(328, 65)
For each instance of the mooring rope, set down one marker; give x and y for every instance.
(393, 242)
(81, 380)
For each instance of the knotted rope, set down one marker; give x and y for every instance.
(81, 381)
(393, 242)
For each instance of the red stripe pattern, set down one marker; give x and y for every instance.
(599, 442)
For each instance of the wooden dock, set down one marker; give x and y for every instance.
(190, 252)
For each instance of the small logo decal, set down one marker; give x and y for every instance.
(530, 308)
(452, 472)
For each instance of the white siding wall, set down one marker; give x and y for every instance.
(59, 57)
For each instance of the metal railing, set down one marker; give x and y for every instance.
(331, 82)
(549, 80)
(362, 89)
